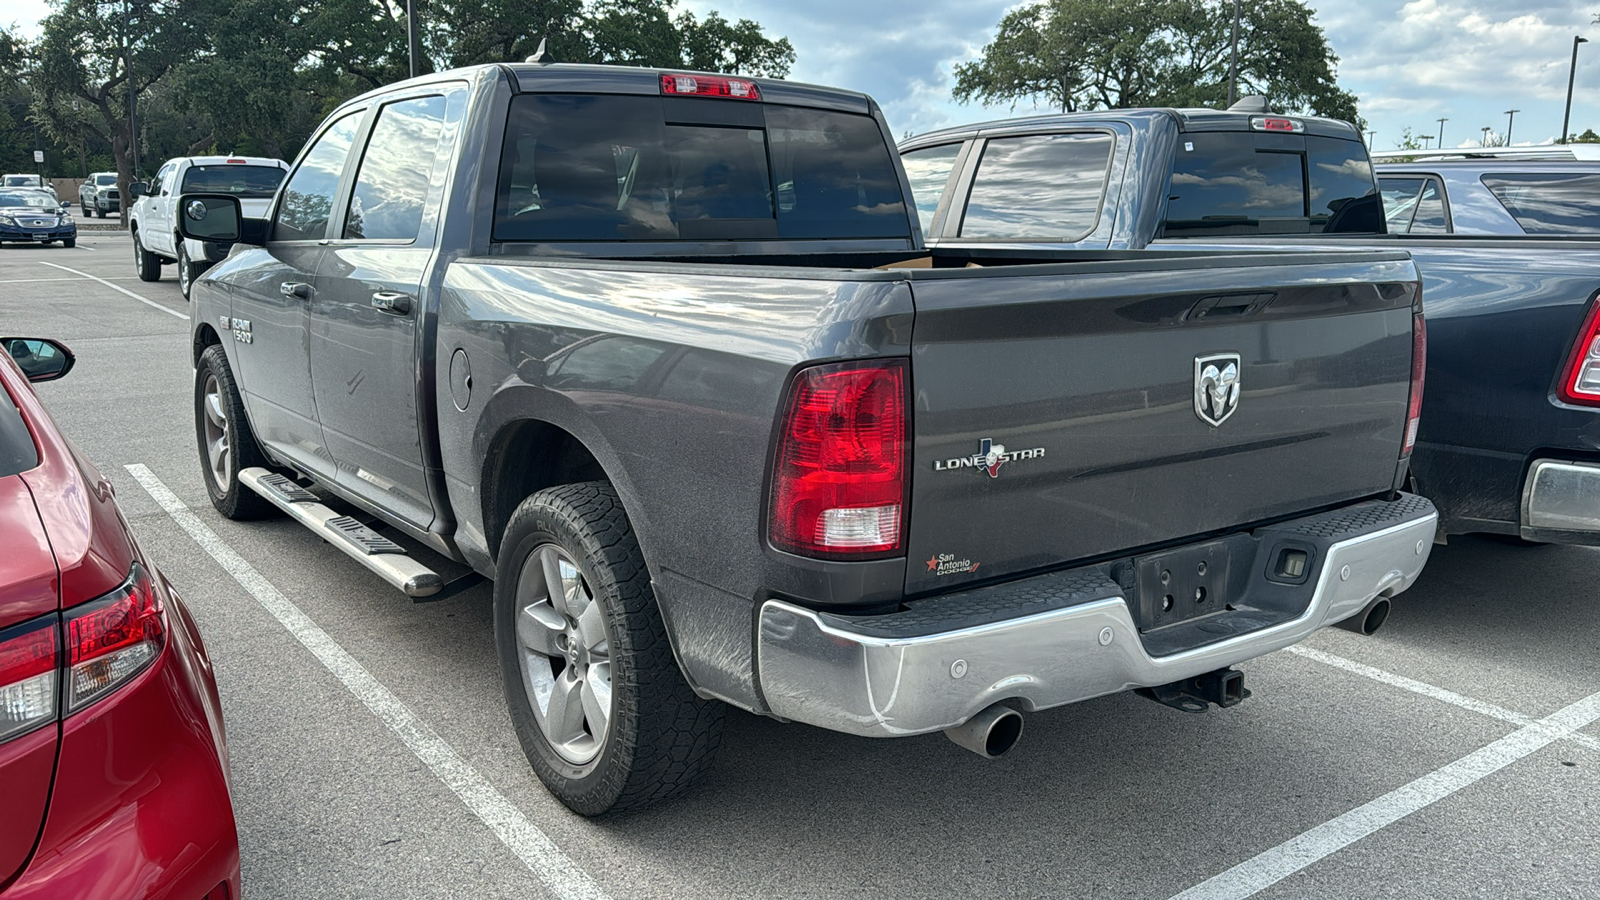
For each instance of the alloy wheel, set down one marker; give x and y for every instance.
(217, 435)
(564, 654)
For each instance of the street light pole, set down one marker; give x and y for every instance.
(1572, 72)
(1485, 141)
(411, 36)
(1233, 59)
(1511, 119)
(127, 67)
(1441, 133)
(1425, 139)
(1369, 138)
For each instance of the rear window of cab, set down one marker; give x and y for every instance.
(1242, 183)
(581, 167)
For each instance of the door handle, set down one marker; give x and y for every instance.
(297, 289)
(392, 302)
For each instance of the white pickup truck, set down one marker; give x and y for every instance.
(152, 215)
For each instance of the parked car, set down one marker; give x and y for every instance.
(1506, 439)
(1491, 196)
(98, 194)
(29, 216)
(28, 181)
(152, 220)
(663, 355)
(112, 754)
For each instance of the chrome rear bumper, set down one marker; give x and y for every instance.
(864, 679)
(1562, 495)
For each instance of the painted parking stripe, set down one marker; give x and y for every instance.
(558, 872)
(1272, 866)
(1428, 690)
(114, 287)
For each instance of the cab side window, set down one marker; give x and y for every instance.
(392, 184)
(928, 170)
(158, 185)
(308, 197)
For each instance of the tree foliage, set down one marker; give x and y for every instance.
(1090, 54)
(256, 76)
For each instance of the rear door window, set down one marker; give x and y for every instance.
(928, 170)
(1043, 186)
(608, 168)
(1550, 203)
(391, 186)
(1241, 183)
(1414, 205)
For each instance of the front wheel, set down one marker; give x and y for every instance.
(188, 270)
(145, 263)
(69, 243)
(597, 700)
(226, 442)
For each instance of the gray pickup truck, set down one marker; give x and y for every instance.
(664, 356)
(1509, 441)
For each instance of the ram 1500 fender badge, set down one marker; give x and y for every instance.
(989, 458)
(1216, 387)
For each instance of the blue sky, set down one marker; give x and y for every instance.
(1409, 62)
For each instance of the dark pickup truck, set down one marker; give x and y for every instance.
(664, 356)
(1510, 432)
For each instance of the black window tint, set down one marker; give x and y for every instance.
(835, 176)
(101, 180)
(1344, 197)
(239, 180)
(1041, 186)
(1431, 217)
(308, 197)
(928, 170)
(17, 452)
(1550, 203)
(392, 183)
(1221, 184)
(583, 168)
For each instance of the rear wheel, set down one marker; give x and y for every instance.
(225, 439)
(595, 696)
(145, 263)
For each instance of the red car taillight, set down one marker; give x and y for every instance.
(28, 669)
(839, 485)
(1419, 366)
(112, 639)
(1580, 381)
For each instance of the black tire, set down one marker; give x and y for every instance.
(659, 737)
(239, 450)
(188, 270)
(87, 212)
(69, 243)
(147, 264)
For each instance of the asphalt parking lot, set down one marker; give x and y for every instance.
(1456, 753)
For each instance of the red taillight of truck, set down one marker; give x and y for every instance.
(840, 471)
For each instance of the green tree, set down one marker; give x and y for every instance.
(79, 71)
(1088, 54)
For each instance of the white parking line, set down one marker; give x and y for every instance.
(44, 280)
(1268, 868)
(558, 872)
(170, 312)
(1428, 690)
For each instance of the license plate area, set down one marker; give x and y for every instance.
(41, 236)
(1182, 584)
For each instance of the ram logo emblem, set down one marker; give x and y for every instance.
(1216, 387)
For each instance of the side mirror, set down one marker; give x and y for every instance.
(138, 189)
(209, 217)
(66, 204)
(41, 359)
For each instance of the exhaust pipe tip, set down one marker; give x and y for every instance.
(1369, 620)
(991, 733)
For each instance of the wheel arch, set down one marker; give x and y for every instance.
(204, 336)
(527, 455)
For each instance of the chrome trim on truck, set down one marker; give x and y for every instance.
(1562, 495)
(813, 671)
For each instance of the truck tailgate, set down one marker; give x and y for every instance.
(1056, 415)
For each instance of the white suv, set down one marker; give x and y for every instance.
(153, 208)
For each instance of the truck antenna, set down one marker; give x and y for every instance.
(541, 56)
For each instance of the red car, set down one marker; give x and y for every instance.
(113, 771)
